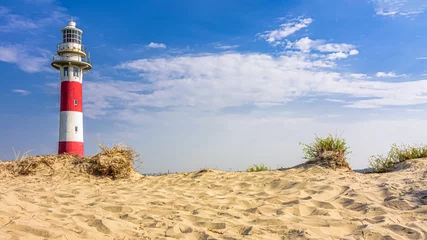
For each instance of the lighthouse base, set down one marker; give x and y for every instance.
(71, 148)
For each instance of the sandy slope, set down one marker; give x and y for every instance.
(311, 203)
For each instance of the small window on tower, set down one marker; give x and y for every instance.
(76, 129)
(76, 102)
(66, 71)
(75, 72)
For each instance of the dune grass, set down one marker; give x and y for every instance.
(116, 162)
(257, 168)
(19, 157)
(397, 154)
(330, 151)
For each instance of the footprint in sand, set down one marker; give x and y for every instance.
(182, 228)
(324, 205)
(31, 230)
(99, 225)
(404, 231)
(117, 209)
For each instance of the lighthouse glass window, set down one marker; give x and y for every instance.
(73, 36)
(75, 72)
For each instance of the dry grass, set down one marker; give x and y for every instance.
(115, 162)
(330, 159)
(22, 157)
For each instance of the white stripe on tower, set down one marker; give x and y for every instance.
(71, 126)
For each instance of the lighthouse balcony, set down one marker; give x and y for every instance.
(71, 48)
(83, 63)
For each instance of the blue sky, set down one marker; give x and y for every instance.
(220, 84)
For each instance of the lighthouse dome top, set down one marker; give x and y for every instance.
(72, 26)
(71, 23)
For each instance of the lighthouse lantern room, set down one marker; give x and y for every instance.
(72, 60)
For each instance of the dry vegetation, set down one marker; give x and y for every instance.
(115, 162)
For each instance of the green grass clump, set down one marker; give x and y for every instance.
(331, 151)
(380, 163)
(257, 168)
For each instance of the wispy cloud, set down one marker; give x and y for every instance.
(334, 47)
(336, 50)
(335, 100)
(217, 81)
(225, 47)
(286, 29)
(421, 58)
(28, 60)
(359, 76)
(15, 22)
(156, 45)
(405, 8)
(388, 75)
(21, 91)
(39, 1)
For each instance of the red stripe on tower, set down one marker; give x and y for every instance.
(72, 61)
(71, 96)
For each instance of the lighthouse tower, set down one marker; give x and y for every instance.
(72, 60)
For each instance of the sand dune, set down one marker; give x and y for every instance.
(301, 203)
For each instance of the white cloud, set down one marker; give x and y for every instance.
(156, 45)
(21, 91)
(286, 29)
(334, 47)
(338, 51)
(31, 61)
(337, 55)
(388, 75)
(421, 58)
(225, 47)
(216, 81)
(306, 44)
(335, 100)
(353, 52)
(359, 76)
(404, 8)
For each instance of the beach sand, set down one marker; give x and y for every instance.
(300, 203)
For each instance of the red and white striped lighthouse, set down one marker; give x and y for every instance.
(72, 60)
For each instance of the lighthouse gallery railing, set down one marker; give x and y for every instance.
(56, 57)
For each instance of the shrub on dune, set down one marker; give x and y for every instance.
(257, 168)
(114, 162)
(380, 163)
(330, 152)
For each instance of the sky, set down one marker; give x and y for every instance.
(220, 84)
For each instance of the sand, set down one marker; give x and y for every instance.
(301, 203)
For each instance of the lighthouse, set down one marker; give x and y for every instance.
(72, 60)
